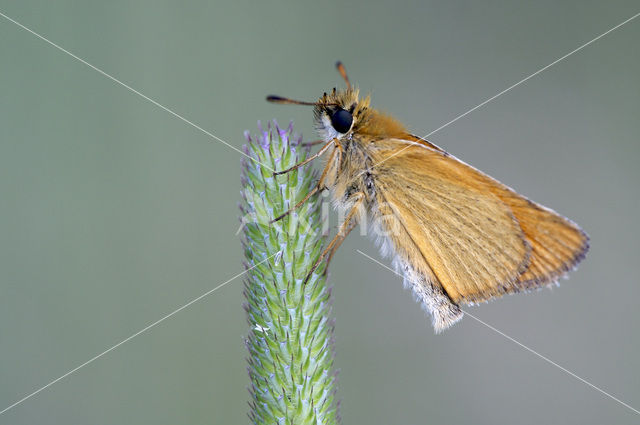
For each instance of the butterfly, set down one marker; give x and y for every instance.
(457, 235)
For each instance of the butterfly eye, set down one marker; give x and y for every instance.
(341, 120)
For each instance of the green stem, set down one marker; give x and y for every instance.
(290, 340)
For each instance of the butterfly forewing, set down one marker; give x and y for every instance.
(468, 237)
(557, 243)
(480, 238)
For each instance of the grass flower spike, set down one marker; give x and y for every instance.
(290, 340)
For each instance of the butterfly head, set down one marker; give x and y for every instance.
(337, 114)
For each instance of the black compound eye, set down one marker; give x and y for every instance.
(341, 120)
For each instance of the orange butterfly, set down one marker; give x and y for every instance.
(456, 234)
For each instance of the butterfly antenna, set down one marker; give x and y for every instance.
(285, 100)
(343, 73)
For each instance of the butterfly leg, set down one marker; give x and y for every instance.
(298, 205)
(345, 228)
(337, 244)
(318, 188)
(308, 160)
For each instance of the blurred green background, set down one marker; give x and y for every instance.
(114, 213)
